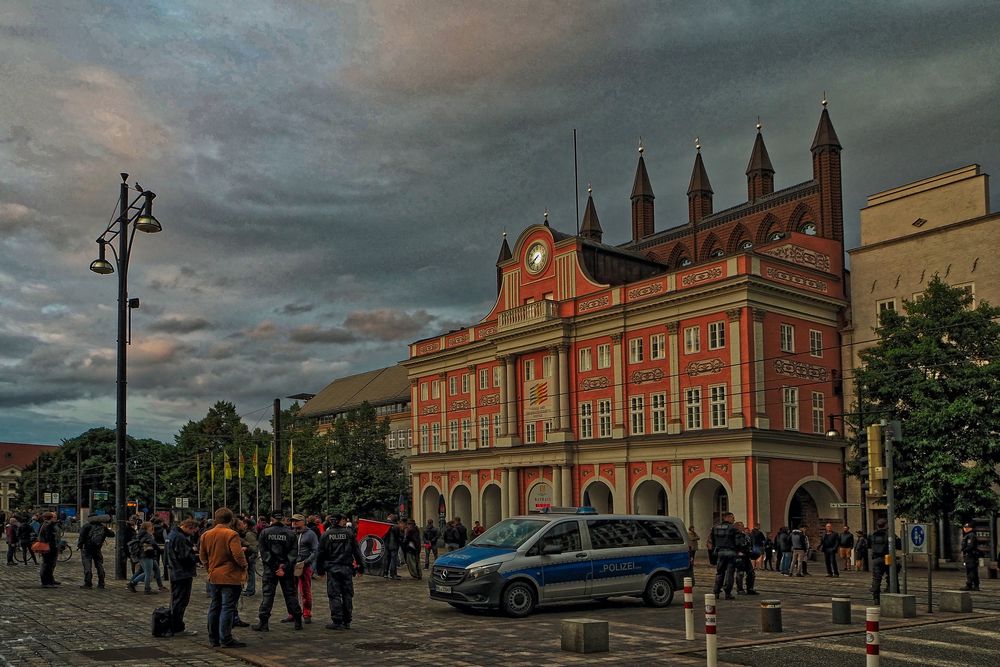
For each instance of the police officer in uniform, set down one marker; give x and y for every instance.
(970, 556)
(743, 566)
(879, 541)
(336, 558)
(723, 544)
(278, 548)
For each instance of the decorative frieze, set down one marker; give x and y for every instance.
(592, 304)
(700, 276)
(705, 367)
(650, 375)
(483, 332)
(801, 256)
(646, 290)
(800, 369)
(426, 348)
(459, 338)
(429, 410)
(462, 404)
(489, 399)
(797, 279)
(734, 314)
(599, 382)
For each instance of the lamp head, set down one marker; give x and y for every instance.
(101, 265)
(146, 221)
(832, 434)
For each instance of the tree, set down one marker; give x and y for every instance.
(936, 368)
(369, 479)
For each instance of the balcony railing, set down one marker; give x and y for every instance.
(530, 313)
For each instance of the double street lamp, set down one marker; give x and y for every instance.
(134, 215)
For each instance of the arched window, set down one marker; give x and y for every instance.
(746, 245)
(716, 253)
(808, 228)
(775, 236)
(685, 261)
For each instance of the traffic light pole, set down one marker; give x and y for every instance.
(890, 506)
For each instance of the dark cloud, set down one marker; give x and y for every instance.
(295, 308)
(312, 333)
(385, 324)
(180, 325)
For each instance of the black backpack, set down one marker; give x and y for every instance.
(162, 625)
(134, 550)
(95, 540)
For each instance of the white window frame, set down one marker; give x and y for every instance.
(885, 304)
(496, 375)
(436, 437)
(604, 425)
(529, 370)
(529, 433)
(692, 340)
(496, 425)
(484, 378)
(717, 406)
(424, 394)
(425, 438)
(635, 350)
(452, 385)
(716, 335)
(658, 412)
(818, 412)
(692, 408)
(657, 346)
(790, 408)
(816, 343)
(465, 383)
(435, 389)
(586, 420)
(548, 363)
(586, 359)
(484, 430)
(453, 435)
(604, 355)
(466, 433)
(409, 438)
(787, 337)
(637, 413)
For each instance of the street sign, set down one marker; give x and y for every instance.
(916, 538)
(181, 503)
(100, 495)
(50, 498)
(840, 506)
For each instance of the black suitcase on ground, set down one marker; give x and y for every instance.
(162, 626)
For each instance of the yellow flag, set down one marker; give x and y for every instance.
(242, 463)
(212, 459)
(291, 457)
(228, 469)
(255, 460)
(197, 467)
(270, 460)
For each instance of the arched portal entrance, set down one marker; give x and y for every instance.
(809, 508)
(461, 505)
(708, 501)
(598, 495)
(430, 503)
(491, 505)
(650, 498)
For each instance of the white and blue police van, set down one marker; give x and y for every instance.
(565, 555)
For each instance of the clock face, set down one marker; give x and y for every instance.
(536, 257)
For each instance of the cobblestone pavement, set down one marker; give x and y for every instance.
(395, 621)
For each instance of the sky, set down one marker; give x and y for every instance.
(333, 179)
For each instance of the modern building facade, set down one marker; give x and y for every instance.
(687, 371)
(14, 458)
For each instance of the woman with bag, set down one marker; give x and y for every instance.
(48, 547)
(149, 554)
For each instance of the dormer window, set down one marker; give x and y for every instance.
(685, 261)
(716, 253)
(809, 229)
(775, 236)
(746, 245)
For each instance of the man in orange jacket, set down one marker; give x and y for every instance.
(222, 554)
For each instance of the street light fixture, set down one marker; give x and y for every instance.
(131, 217)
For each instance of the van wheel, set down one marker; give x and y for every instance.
(518, 599)
(659, 591)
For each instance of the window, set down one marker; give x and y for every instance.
(818, 413)
(453, 434)
(529, 370)
(409, 437)
(808, 228)
(586, 420)
(661, 532)
(746, 245)
(658, 408)
(775, 236)
(604, 418)
(685, 261)
(815, 343)
(547, 428)
(484, 378)
(390, 440)
(718, 252)
(658, 346)
(692, 340)
(436, 389)
(692, 400)
(604, 355)
(616, 533)
(717, 406)
(638, 411)
(496, 376)
(423, 391)
(496, 425)
(790, 399)
(787, 338)
(452, 385)
(970, 289)
(635, 350)
(424, 438)
(466, 433)
(484, 431)
(716, 335)
(436, 437)
(465, 383)
(547, 366)
(566, 535)
(586, 361)
(529, 433)
(883, 305)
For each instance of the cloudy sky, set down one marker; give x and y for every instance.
(333, 178)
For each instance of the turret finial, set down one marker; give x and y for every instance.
(545, 214)
(590, 188)
(641, 146)
(697, 144)
(824, 100)
(759, 126)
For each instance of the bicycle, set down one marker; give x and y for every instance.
(65, 551)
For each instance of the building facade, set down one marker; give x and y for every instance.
(14, 458)
(686, 372)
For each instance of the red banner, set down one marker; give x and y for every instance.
(371, 540)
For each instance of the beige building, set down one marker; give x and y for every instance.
(938, 225)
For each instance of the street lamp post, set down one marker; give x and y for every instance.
(132, 217)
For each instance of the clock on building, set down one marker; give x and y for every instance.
(537, 257)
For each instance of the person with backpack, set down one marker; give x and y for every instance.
(279, 547)
(90, 543)
(145, 550)
(451, 536)
(26, 536)
(800, 547)
(10, 534)
(861, 552)
(49, 535)
(182, 564)
(430, 542)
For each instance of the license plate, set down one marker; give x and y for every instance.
(442, 589)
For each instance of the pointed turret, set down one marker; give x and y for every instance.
(642, 201)
(700, 189)
(591, 227)
(826, 150)
(760, 173)
(505, 254)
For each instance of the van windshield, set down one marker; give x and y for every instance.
(510, 533)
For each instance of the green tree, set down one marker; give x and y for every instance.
(936, 368)
(368, 479)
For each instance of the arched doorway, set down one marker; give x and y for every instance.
(598, 495)
(708, 501)
(650, 498)
(430, 501)
(491, 505)
(461, 505)
(809, 508)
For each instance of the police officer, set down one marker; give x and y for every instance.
(743, 566)
(970, 556)
(338, 553)
(723, 545)
(879, 541)
(278, 548)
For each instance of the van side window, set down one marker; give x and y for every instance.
(616, 533)
(566, 535)
(662, 532)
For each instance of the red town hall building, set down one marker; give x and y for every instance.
(686, 372)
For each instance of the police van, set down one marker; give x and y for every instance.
(565, 555)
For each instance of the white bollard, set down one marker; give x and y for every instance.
(688, 608)
(711, 641)
(871, 636)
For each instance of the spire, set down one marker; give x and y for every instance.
(505, 253)
(826, 150)
(700, 190)
(642, 200)
(591, 227)
(826, 136)
(760, 172)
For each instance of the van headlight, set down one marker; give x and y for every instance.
(483, 570)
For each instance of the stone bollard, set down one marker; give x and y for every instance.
(584, 635)
(960, 601)
(898, 605)
(871, 637)
(688, 608)
(842, 611)
(711, 641)
(770, 616)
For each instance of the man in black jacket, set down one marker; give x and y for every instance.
(879, 543)
(970, 556)
(722, 542)
(48, 534)
(829, 543)
(393, 540)
(336, 558)
(181, 562)
(89, 544)
(430, 543)
(278, 548)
